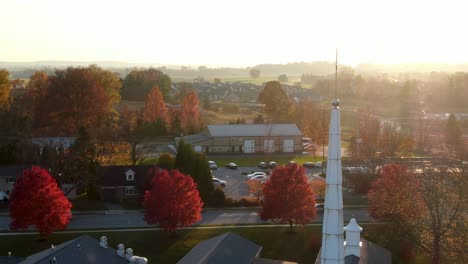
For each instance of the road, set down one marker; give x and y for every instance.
(131, 219)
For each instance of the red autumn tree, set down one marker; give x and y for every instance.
(155, 107)
(288, 197)
(173, 200)
(37, 200)
(190, 116)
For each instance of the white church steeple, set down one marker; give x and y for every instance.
(332, 232)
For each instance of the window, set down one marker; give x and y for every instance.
(131, 190)
(11, 180)
(130, 175)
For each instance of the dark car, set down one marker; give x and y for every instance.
(272, 164)
(263, 165)
(309, 165)
(319, 207)
(231, 165)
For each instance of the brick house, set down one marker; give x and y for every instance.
(120, 183)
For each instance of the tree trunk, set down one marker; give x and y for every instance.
(436, 251)
(290, 226)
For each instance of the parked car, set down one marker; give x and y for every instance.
(309, 165)
(318, 165)
(218, 183)
(258, 173)
(272, 164)
(260, 178)
(291, 162)
(231, 165)
(213, 165)
(319, 207)
(263, 165)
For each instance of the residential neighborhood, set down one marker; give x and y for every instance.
(259, 132)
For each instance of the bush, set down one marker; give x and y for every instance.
(217, 198)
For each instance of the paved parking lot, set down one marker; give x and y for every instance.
(236, 186)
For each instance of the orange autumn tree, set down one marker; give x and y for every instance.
(427, 209)
(318, 186)
(190, 114)
(255, 189)
(155, 108)
(288, 197)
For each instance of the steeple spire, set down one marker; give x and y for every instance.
(332, 232)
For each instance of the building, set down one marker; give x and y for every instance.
(336, 247)
(81, 250)
(228, 248)
(9, 174)
(247, 138)
(120, 183)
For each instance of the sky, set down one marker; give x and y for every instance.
(234, 32)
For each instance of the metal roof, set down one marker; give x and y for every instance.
(254, 130)
(228, 248)
(370, 253)
(88, 251)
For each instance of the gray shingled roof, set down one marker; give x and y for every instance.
(89, 252)
(254, 130)
(10, 260)
(370, 253)
(228, 248)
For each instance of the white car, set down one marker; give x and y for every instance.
(218, 183)
(213, 165)
(258, 173)
(261, 178)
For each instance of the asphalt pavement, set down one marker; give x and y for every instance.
(132, 219)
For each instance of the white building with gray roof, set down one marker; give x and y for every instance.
(247, 138)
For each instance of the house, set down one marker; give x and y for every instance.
(247, 138)
(81, 250)
(8, 176)
(228, 248)
(120, 183)
(53, 142)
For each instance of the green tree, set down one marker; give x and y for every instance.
(454, 136)
(277, 102)
(195, 164)
(254, 73)
(4, 90)
(165, 161)
(138, 84)
(283, 78)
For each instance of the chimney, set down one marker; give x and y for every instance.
(121, 250)
(353, 238)
(129, 254)
(103, 242)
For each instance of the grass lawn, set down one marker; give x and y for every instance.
(301, 246)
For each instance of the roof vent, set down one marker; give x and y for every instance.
(103, 242)
(121, 250)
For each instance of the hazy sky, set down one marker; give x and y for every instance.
(234, 32)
